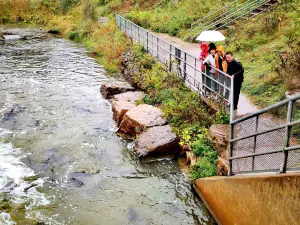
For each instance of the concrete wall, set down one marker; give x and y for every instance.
(253, 200)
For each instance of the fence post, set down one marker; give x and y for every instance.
(287, 137)
(196, 76)
(178, 59)
(157, 48)
(254, 147)
(125, 29)
(170, 53)
(231, 134)
(232, 100)
(184, 67)
(230, 149)
(147, 42)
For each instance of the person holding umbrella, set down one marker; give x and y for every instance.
(213, 36)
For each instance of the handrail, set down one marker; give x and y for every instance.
(227, 13)
(230, 15)
(256, 149)
(214, 12)
(259, 112)
(241, 11)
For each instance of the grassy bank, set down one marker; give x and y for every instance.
(268, 47)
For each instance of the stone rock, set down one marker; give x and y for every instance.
(139, 118)
(123, 103)
(119, 109)
(220, 139)
(222, 167)
(131, 96)
(157, 141)
(75, 182)
(110, 89)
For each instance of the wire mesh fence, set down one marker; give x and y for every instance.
(268, 140)
(180, 62)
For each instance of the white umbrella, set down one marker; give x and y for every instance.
(210, 35)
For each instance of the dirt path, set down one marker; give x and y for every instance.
(245, 106)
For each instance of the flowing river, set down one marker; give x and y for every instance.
(60, 159)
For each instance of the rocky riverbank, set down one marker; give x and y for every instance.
(146, 123)
(143, 123)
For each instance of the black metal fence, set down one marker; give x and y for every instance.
(268, 140)
(182, 63)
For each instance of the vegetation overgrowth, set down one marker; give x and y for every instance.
(182, 108)
(77, 20)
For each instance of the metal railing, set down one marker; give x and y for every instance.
(226, 15)
(267, 140)
(181, 63)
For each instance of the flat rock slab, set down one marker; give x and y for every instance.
(122, 103)
(114, 88)
(157, 141)
(130, 96)
(139, 118)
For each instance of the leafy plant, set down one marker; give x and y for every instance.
(203, 168)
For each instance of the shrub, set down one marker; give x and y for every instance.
(203, 168)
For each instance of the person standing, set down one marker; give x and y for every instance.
(221, 64)
(210, 61)
(236, 70)
(203, 55)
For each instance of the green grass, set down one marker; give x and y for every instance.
(259, 44)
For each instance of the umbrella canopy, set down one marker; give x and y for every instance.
(211, 35)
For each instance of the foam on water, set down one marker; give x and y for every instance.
(6, 219)
(12, 183)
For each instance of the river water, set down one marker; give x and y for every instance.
(60, 160)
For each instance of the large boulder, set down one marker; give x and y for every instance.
(110, 89)
(157, 141)
(222, 167)
(124, 102)
(219, 134)
(139, 118)
(119, 109)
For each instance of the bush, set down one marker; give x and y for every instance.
(67, 4)
(205, 167)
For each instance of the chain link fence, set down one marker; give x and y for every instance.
(268, 140)
(180, 62)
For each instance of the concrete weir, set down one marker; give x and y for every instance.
(252, 200)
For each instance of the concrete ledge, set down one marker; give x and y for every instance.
(252, 200)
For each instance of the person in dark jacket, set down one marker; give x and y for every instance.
(236, 70)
